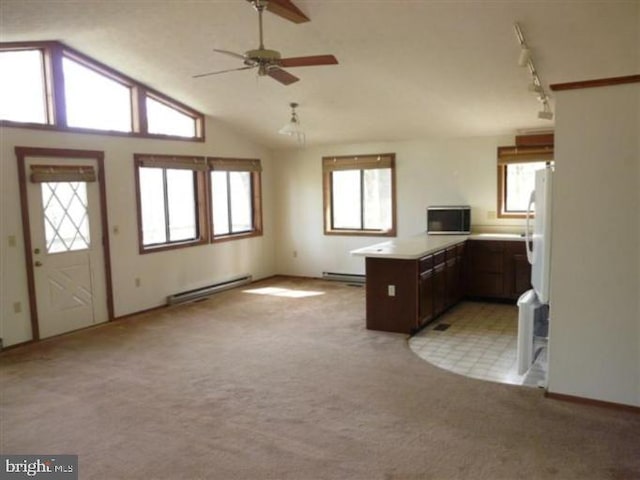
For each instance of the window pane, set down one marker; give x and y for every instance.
(377, 199)
(165, 120)
(345, 204)
(241, 211)
(22, 93)
(219, 203)
(520, 181)
(182, 205)
(94, 100)
(152, 206)
(66, 221)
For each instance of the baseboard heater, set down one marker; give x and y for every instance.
(198, 293)
(344, 277)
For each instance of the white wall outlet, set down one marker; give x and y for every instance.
(12, 240)
(491, 215)
(295, 254)
(17, 307)
(391, 290)
(138, 282)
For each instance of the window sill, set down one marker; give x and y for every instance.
(362, 233)
(171, 246)
(93, 131)
(514, 216)
(236, 236)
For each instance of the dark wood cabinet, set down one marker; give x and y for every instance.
(405, 295)
(497, 269)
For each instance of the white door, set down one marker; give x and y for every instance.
(68, 258)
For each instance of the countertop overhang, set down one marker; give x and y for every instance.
(416, 247)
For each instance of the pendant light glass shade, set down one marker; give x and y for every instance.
(293, 128)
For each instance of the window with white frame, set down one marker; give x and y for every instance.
(359, 195)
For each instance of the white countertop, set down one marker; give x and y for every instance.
(415, 247)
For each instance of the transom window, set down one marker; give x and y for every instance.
(516, 176)
(172, 200)
(50, 85)
(22, 86)
(359, 195)
(113, 101)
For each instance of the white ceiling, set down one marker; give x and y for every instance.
(408, 69)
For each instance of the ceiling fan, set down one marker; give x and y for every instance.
(269, 62)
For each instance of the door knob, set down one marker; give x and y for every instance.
(38, 263)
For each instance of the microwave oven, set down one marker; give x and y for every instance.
(449, 220)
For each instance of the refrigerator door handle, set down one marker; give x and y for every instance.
(527, 233)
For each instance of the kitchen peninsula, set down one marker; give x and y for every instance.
(412, 281)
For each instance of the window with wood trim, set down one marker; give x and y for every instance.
(23, 94)
(516, 176)
(48, 85)
(359, 195)
(235, 194)
(171, 198)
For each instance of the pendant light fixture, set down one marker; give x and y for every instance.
(526, 60)
(294, 128)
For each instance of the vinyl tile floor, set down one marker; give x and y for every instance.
(480, 342)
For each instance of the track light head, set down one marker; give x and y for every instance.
(525, 56)
(545, 114)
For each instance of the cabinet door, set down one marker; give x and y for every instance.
(518, 270)
(439, 289)
(426, 297)
(451, 276)
(486, 269)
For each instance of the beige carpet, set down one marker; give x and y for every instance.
(248, 386)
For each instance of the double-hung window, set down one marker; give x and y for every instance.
(235, 193)
(171, 201)
(359, 195)
(516, 176)
(185, 201)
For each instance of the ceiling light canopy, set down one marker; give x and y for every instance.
(526, 60)
(294, 128)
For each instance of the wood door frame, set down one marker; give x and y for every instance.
(22, 153)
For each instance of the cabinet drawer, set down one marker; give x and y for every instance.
(438, 258)
(425, 263)
(450, 253)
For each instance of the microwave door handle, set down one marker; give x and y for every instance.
(527, 232)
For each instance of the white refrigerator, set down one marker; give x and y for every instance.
(538, 243)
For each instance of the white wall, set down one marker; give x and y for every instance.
(161, 273)
(455, 171)
(595, 285)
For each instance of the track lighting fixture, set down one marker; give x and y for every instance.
(294, 128)
(526, 60)
(525, 55)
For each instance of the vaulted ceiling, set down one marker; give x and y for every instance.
(408, 69)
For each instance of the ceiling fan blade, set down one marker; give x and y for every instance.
(232, 54)
(287, 10)
(308, 61)
(282, 76)
(222, 71)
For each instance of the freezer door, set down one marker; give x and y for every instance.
(527, 305)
